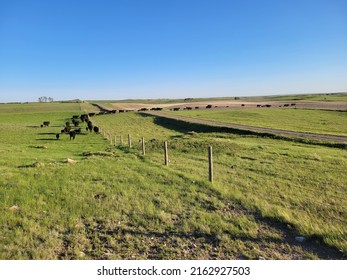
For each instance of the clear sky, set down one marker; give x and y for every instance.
(118, 49)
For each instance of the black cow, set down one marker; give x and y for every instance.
(96, 129)
(72, 134)
(84, 117)
(90, 126)
(46, 123)
(208, 106)
(66, 129)
(57, 136)
(75, 122)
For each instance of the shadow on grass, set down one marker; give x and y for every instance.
(47, 139)
(199, 240)
(186, 127)
(47, 133)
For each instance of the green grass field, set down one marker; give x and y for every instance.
(304, 120)
(115, 203)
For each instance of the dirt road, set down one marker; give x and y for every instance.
(284, 133)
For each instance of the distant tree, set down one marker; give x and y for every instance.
(45, 99)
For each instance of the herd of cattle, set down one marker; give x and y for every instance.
(85, 118)
(106, 111)
(75, 120)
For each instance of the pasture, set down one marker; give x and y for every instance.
(303, 120)
(114, 203)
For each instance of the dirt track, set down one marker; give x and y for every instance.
(285, 133)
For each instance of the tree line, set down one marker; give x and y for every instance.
(45, 99)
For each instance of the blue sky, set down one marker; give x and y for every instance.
(104, 49)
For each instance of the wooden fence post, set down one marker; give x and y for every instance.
(210, 164)
(115, 140)
(166, 156)
(121, 140)
(129, 140)
(143, 146)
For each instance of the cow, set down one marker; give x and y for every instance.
(72, 134)
(66, 129)
(96, 129)
(176, 109)
(258, 106)
(46, 123)
(156, 109)
(75, 122)
(90, 126)
(208, 106)
(84, 117)
(57, 136)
